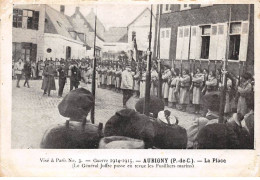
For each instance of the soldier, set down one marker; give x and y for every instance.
(137, 83)
(142, 82)
(173, 91)
(109, 77)
(212, 82)
(197, 81)
(104, 77)
(154, 82)
(244, 90)
(113, 83)
(117, 80)
(27, 69)
(184, 89)
(18, 68)
(62, 78)
(75, 76)
(77, 132)
(48, 82)
(166, 77)
(127, 84)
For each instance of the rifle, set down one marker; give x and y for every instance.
(181, 68)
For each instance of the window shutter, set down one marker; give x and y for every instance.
(198, 42)
(243, 41)
(179, 43)
(165, 43)
(222, 41)
(213, 42)
(193, 42)
(186, 41)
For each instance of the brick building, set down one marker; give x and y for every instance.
(197, 35)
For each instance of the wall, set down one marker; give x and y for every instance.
(209, 15)
(142, 28)
(58, 45)
(29, 35)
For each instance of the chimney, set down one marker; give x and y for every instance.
(77, 9)
(62, 9)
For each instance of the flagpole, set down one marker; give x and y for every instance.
(158, 55)
(223, 92)
(148, 74)
(94, 74)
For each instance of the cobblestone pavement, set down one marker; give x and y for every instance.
(33, 113)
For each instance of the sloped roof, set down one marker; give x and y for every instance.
(116, 34)
(90, 18)
(146, 9)
(59, 23)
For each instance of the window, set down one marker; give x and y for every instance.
(26, 19)
(166, 8)
(205, 41)
(68, 52)
(234, 46)
(185, 7)
(17, 18)
(234, 41)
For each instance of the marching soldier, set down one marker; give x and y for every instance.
(173, 91)
(165, 86)
(197, 81)
(184, 89)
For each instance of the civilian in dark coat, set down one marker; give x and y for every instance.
(217, 136)
(156, 105)
(77, 132)
(48, 82)
(62, 78)
(129, 123)
(27, 72)
(75, 77)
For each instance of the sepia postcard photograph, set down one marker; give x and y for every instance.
(129, 88)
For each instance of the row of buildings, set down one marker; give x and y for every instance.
(40, 32)
(183, 35)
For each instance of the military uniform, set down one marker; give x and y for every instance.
(142, 84)
(184, 89)
(244, 90)
(154, 83)
(165, 86)
(75, 77)
(173, 91)
(62, 79)
(211, 84)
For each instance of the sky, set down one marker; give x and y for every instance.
(111, 15)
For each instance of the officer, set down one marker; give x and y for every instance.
(62, 78)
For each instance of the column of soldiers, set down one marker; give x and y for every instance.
(180, 88)
(130, 128)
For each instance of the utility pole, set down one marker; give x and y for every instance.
(94, 74)
(148, 72)
(223, 92)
